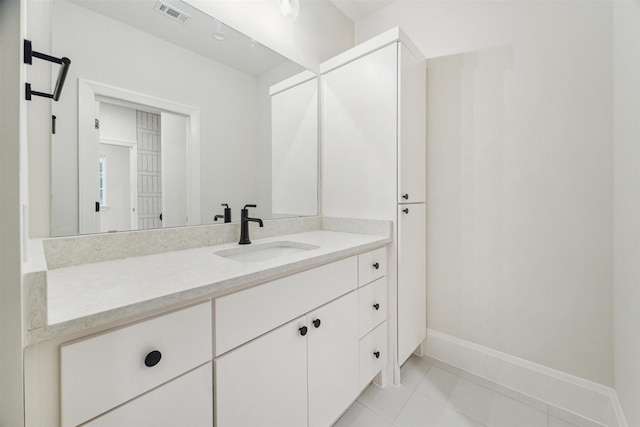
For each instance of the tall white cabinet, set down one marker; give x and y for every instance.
(373, 101)
(294, 146)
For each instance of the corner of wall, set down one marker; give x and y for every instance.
(626, 205)
(12, 176)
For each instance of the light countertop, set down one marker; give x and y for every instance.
(94, 294)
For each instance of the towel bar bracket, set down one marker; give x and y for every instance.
(29, 54)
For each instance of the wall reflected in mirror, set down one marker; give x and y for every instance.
(168, 116)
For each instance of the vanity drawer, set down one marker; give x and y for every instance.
(372, 305)
(372, 345)
(247, 314)
(184, 401)
(103, 371)
(371, 266)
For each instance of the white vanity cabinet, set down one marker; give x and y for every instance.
(103, 371)
(374, 165)
(372, 316)
(295, 373)
(263, 383)
(332, 354)
(184, 401)
(309, 370)
(242, 316)
(292, 348)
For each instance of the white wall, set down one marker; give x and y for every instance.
(38, 74)
(626, 163)
(12, 193)
(133, 60)
(519, 175)
(320, 32)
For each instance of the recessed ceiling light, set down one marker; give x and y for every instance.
(219, 36)
(289, 9)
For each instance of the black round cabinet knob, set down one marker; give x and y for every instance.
(316, 323)
(376, 265)
(405, 210)
(376, 306)
(152, 358)
(405, 196)
(303, 331)
(376, 354)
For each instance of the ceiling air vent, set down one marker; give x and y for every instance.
(171, 12)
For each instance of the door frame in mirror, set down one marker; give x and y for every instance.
(88, 93)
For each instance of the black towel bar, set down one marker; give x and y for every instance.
(29, 54)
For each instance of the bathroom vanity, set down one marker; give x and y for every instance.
(184, 326)
(288, 336)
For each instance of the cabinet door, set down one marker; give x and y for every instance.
(185, 401)
(412, 139)
(359, 125)
(264, 382)
(333, 353)
(412, 288)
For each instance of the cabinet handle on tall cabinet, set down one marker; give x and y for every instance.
(405, 196)
(316, 323)
(303, 331)
(152, 358)
(376, 354)
(405, 210)
(376, 306)
(376, 265)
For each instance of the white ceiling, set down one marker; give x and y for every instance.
(358, 9)
(237, 51)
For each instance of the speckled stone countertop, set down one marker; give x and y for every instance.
(100, 293)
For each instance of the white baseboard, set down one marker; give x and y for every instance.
(560, 390)
(617, 410)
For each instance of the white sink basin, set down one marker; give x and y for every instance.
(264, 251)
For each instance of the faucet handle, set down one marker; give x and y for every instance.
(249, 206)
(226, 205)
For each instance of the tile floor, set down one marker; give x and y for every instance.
(435, 394)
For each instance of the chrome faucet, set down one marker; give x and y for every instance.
(244, 224)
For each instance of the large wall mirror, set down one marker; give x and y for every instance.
(168, 114)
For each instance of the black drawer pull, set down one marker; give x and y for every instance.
(303, 331)
(405, 196)
(152, 358)
(405, 210)
(376, 354)
(316, 323)
(376, 265)
(376, 306)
